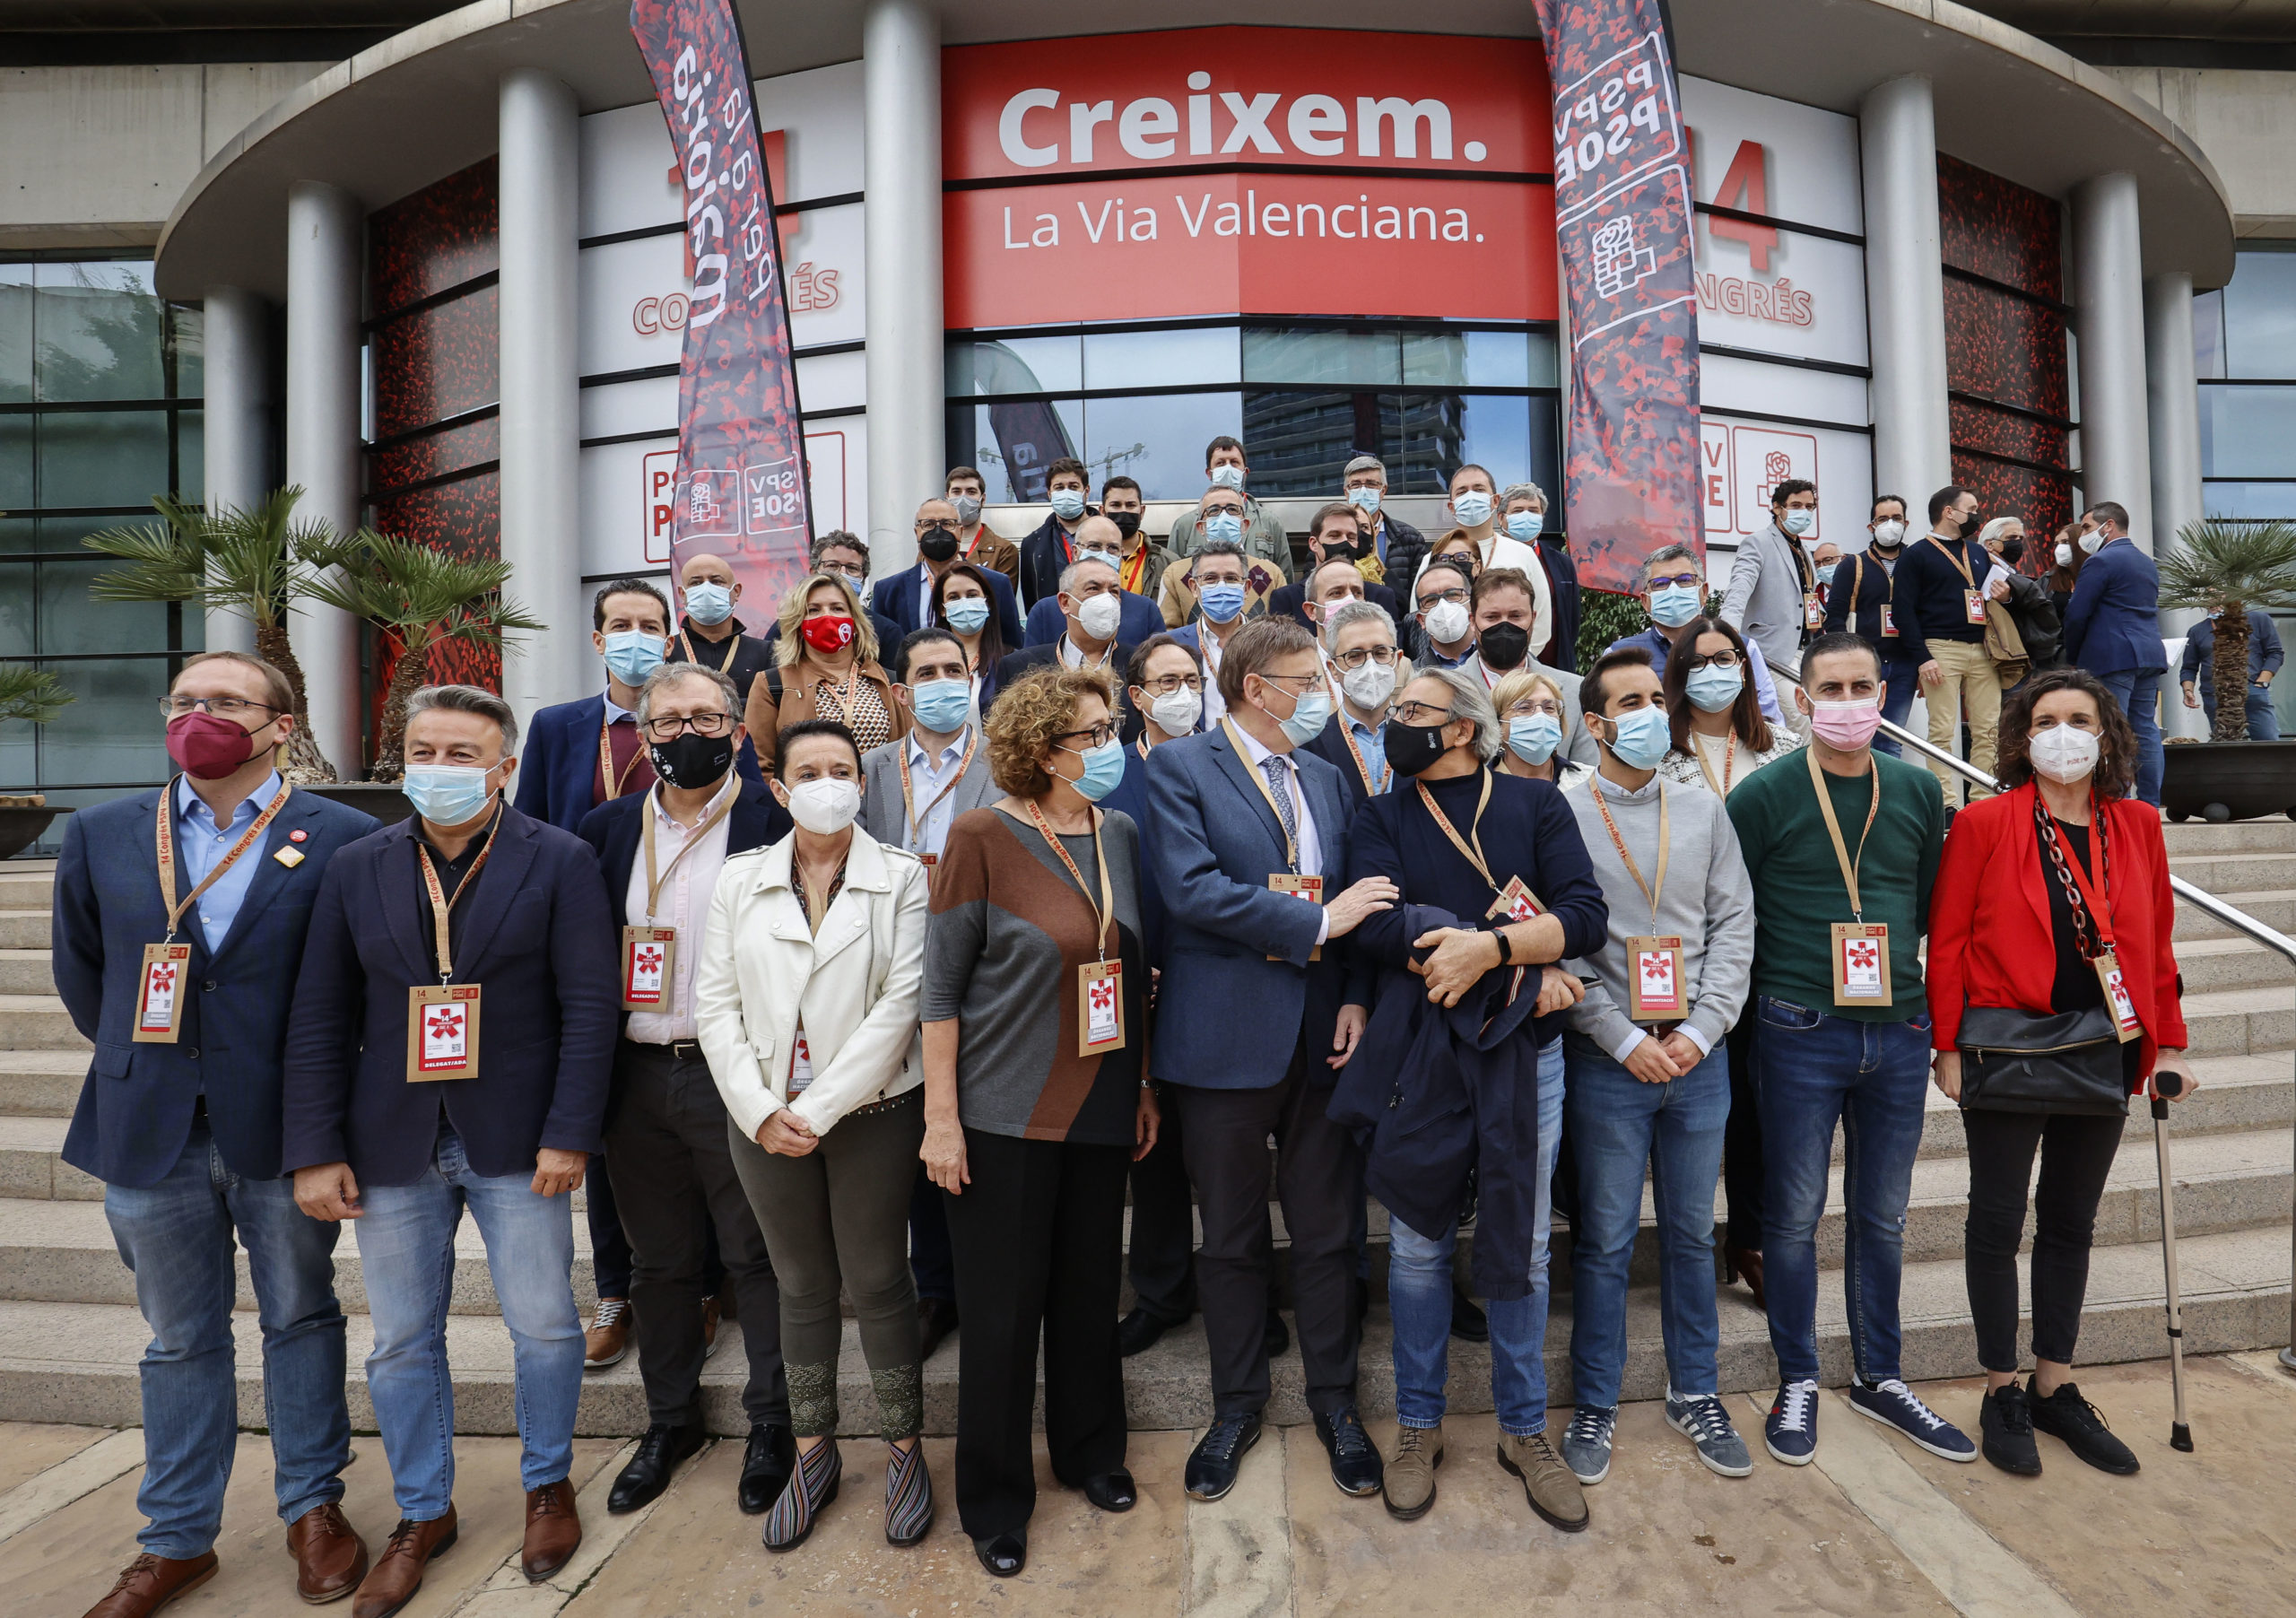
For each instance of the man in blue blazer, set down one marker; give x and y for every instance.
(1255, 1016)
(905, 597)
(184, 1129)
(2112, 628)
(495, 1106)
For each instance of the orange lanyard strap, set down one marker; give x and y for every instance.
(616, 783)
(725, 663)
(1650, 890)
(441, 907)
(1136, 568)
(164, 836)
(1347, 734)
(1729, 761)
(1849, 868)
(653, 882)
(1259, 779)
(1474, 830)
(1954, 555)
(908, 794)
(1104, 907)
(2076, 880)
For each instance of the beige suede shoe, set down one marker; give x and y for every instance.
(1554, 1494)
(1410, 1482)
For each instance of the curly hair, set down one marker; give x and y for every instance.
(1033, 712)
(2115, 772)
(791, 647)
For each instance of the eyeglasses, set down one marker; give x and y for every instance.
(1688, 581)
(1721, 659)
(1100, 735)
(174, 707)
(1164, 685)
(1284, 681)
(844, 569)
(1354, 658)
(1458, 596)
(670, 726)
(1536, 705)
(1419, 715)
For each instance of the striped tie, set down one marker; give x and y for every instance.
(1276, 768)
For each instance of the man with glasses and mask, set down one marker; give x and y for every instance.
(1220, 582)
(660, 852)
(1361, 650)
(1337, 534)
(1102, 538)
(976, 542)
(2112, 628)
(1091, 609)
(1862, 602)
(189, 1149)
(1503, 604)
(1441, 602)
(1773, 596)
(1674, 593)
(905, 600)
(1256, 1015)
(1397, 545)
(1260, 533)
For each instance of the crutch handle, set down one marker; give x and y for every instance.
(2168, 1085)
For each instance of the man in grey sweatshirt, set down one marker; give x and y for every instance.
(1647, 1081)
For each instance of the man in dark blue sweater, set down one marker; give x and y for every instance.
(1938, 604)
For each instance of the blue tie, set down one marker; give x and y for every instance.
(1278, 788)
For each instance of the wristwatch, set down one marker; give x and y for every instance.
(1498, 929)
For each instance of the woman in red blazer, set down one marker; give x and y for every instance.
(2009, 926)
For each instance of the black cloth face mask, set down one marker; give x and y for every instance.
(1504, 645)
(692, 760)
(1412, 748)
(937, 543)
(1128, 523)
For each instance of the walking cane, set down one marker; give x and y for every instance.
(2165, 1085)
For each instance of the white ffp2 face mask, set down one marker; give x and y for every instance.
(1100, 615)
(2064, 755)
(1176, 712)
(824, 806)
(1369, 684)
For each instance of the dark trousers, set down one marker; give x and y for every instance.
(610, 1246)
(1319, 1181)
(667, 1153)
(2076, 1155)
(1162, 1256)
(1741, 1166)
(929, 1260)
(1038, 1240)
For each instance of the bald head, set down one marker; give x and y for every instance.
(936, 510)
(707, 569)
(1098, 533)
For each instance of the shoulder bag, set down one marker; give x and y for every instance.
(2013, 1061)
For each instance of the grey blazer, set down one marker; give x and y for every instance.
(1577, 742)
(1764, 600)
(882, 816)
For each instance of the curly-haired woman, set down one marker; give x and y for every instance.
(1035, 1100)
(2049, 932)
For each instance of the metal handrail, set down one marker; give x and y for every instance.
(2200, 898)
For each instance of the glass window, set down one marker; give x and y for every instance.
(102, 457)
(2254, 501)
(1158, 440)
(72, 620)
(1166, 359)
(1016, 365)
(1439, 359)
(17, 299)
(1013, 443)
(111, 732)
(191, 455)
(2248, 431)
(2208, 335)
(17, 437)
(1358, 357)
(98, 329)
(2260, 315)
(16, 612)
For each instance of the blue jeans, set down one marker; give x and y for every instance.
(406, 1246)
(2138, 691)
(1872, 1076)
(1419, 1293)
(176, 1236)
(2264, 720)
(1619, 1127)
(1903, 684)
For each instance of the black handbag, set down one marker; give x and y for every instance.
(2070, 1062)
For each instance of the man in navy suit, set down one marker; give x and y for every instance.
(469, 898)
(1138, 617)
(905, 597)
(1046, 553)
(184, 1129)
(1337, 534)
(661, 851)
(2112, 628)
(1253, 1018)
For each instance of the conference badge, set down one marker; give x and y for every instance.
(2115, 986)
(159, 999)
(648, 957)
(1861, 963)
(1515, 902)
(1309, 888)
(1653, 990)
(441, 1031)
(1100, 1007)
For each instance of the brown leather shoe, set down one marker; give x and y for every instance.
(150, 1582)
(554, 1531)
(330, 1558)
(608, 1336)
(394, 1580)
(1745, 1263)
(712, 1312)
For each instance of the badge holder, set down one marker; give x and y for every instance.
(158, 1002)
(1813, 612)
(1975, 601)
(1861, 963)
(1515, 902)
(1888, 622)
(1100, 1007)
(441, 1031)
(1654, 989)
(648, 960)
(2125, 1022)
(1309, 888)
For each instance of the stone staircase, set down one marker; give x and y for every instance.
(70, 1336)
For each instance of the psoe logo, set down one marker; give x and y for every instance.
(1033, 135)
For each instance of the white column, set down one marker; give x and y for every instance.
(2172, 406)
(2109, 315)
(900, 125)
(1905, 292)
(326, 245)
(540, 387)
(237, 410)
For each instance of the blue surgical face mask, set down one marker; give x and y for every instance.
(1103, 771)
(1675, 605)
(1534, 737)
(710, 603)
(967, 614)
(1364, 497)
(1309, 715)
(632, 655)
(1068, 503)
(1825, 574)
(1715, 689)
(1221, 601)
(941, 705)
(1643, 738)
(1797, 522)
(1472, 508)
(1228, 478)
(1525, 525)
(1224, 525)
(447, 795)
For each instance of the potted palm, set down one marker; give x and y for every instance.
(35, 696)
(421, 599)
(256, 561)
(2232, 569)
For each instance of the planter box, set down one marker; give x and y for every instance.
(2229, 780)
(380, 799)
(21, 827)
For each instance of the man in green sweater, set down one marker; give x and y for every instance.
(1841, 843)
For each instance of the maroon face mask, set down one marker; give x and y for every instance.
(207, 746)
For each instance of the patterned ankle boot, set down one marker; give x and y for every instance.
(909, 1495)
(812, 1486)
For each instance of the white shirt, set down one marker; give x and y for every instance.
(1074, 656)
(1311, 843)
(1503, 550)
(684, 904)
(1208, 644)
(927, 775)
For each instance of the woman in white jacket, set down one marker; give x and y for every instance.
(806, 994)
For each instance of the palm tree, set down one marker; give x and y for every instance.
(2227, 568)
(256, 561)
(29, 693)
(423, 598)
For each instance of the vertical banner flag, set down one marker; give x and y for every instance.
(740, 488)
(1622, 220)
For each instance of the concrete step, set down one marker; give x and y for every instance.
(77, 1362)
(41, 1083)
(2240, 1022)
(23, 929)
(2232, 962)
(26, 972)
(2273, 907)
(2186, 838)
(37, 1023)
(2244, 873)
(27, 884)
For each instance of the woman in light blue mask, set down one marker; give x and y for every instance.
(1475, 510)
(962, 605)
(1530, 705)
(1718, 734)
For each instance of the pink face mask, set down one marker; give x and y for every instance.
(1846, 726)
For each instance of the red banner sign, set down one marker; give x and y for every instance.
(1622, 215)
(739, 490)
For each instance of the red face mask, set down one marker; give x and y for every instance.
(828, 634)
(208, 746)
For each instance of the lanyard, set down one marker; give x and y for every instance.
(1729, 761)
(615, 784)
(843, 690)
(1834, 829)
(1347, 734)
(725, 663)
(908, 796)
(1259, 779)
(441, 907)
(2101, 914)
(1953, 554)
(165, 837)
(1136, 568)
(1650, 890)
(653, 882)
(1104, 907)
(1474, 829)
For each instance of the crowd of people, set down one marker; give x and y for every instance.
(876, 961)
